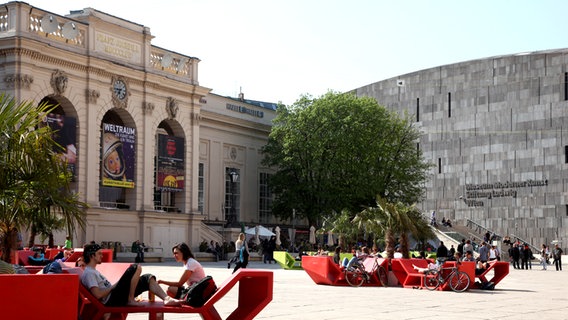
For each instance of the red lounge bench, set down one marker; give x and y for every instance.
(23, 257)
(369, 263)
(78, 252)
(410, 278)
(255, 293)
(500, 270)
(405, 273)
(323, 270)
(54, 295)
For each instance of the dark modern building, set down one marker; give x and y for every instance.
(496, 131)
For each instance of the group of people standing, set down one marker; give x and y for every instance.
(522, 253)
(556, 254)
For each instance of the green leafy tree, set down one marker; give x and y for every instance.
(338, 152)
(34, 181)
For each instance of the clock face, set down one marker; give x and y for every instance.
(119, 89)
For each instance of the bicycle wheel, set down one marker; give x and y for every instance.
(383, 276)
(459, 281)
(432, 279)
(355, 276)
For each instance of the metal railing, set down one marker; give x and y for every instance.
(482, 230)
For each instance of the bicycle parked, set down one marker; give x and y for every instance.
(458, 280)
(355, 274)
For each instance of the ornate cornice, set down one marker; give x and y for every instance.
(70, 64)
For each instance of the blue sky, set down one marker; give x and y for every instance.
(277, 50)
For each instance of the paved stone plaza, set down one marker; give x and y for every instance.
(523, 294)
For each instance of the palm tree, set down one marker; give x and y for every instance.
(342, 225)
(34, 182)
(45, 229)
(392, 219)
(370, 220)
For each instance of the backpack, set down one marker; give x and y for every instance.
(53, 267)
(244, 254)
(199, 292)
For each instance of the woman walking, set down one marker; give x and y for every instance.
(238, 245)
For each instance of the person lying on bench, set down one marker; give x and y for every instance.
(130, 285)
(38, 259)
(431, 266)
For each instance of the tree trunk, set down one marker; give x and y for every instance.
(404, 245)
(389, 242)
(9, 244)
(33, 233)
(51, 241)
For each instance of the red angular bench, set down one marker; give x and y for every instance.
(54, 295)
(500, 270)
(323, 270)
(409, 278)
(255, 293)
(78, 252)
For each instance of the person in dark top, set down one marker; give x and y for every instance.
(452, 251)
(336, 256)
(557, 255)
(460, 247)
(526, 256)
(515, 255)
(441, 253)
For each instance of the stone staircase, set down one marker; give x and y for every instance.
(475, 232)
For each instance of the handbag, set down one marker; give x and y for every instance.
(197, 294)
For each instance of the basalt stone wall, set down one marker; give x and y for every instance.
(496, 132)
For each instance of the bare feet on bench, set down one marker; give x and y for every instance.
(169, 301)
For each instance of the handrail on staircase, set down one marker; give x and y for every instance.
(481, 229)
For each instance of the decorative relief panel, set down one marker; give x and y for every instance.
(172, 107)
(58, 82)
(18, 80)
(147, 107)
(233, 153)
(93, 96)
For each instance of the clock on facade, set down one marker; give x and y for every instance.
(119, 89)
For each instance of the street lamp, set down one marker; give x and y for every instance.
(232, 219)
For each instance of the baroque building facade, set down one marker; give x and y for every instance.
(496, 133)
(155, 154)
